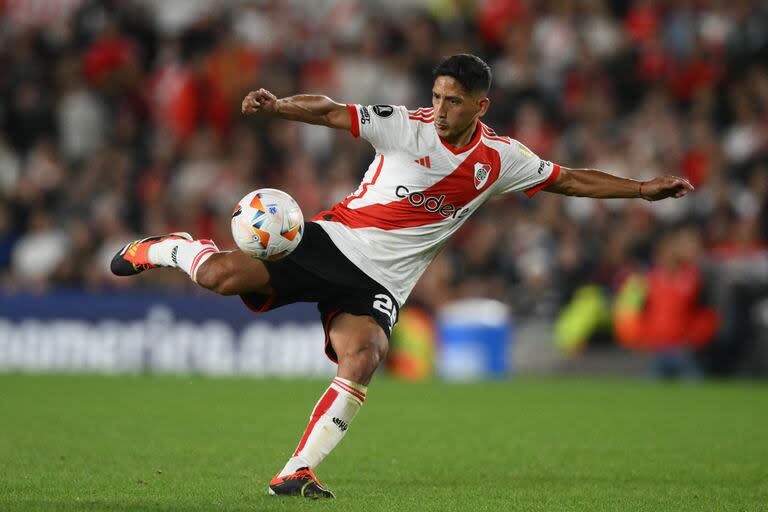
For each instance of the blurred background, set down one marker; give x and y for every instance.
(120, 119)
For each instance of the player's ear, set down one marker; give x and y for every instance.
(483, 103)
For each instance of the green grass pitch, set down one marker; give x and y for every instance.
(197, 444)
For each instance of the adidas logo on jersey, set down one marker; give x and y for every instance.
(424, 162)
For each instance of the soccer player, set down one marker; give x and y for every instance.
(359, 260)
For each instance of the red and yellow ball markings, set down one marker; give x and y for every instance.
(256, 203)
(263, 236)
(290, 235)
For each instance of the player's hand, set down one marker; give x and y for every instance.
(663, 187)
(259, 101)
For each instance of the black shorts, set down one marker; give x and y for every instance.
(317, 271)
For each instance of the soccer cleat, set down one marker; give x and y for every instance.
(302, 483)
(133, 259)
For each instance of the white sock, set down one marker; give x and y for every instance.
(329, 422)
(182, 254)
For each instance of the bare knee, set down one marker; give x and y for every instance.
(359, 365)
(361, 346)
(217, 275)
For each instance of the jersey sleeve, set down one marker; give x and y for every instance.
(384, 126)
(522, 170)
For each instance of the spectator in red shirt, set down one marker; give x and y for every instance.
(668, 321)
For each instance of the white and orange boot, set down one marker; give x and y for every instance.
(133, 258)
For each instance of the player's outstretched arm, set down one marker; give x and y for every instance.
(306, 108)
(598, 184)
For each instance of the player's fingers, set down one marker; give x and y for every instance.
(682, 190)
(684, 182)
(260, 98)
(250, 108)
(265, 95)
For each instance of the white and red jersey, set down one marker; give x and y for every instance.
(419, 190)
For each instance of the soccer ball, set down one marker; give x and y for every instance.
(267, 224)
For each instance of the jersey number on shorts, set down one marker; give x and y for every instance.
(384, 304)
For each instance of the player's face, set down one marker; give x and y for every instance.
(456, 110)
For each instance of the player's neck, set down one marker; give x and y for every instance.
(461, 140)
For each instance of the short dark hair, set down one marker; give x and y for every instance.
(469, 70)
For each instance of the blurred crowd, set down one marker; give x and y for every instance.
(121, 118)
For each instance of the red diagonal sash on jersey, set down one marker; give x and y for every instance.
(458, 189)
